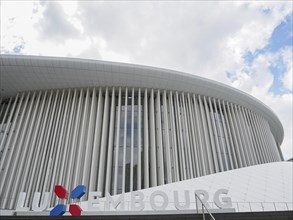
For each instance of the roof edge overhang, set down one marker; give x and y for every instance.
(26, 73)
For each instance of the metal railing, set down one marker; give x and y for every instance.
(203, 207)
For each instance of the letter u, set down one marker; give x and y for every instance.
(177, 203)
(43, 205)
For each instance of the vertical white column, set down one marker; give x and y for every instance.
(2, 107)
(217, 147)
(264, 145)
(212, 135)
(146, 141)
(213, 161)
(67, 146)
(159, 141)
(229, 136)
(167, 138)
(258, 147)
(174, 139)
(74, 142)
(206, 147)
(110, 144)
(251, 136)
(280, 152)
(89, 141)
(132, 141)
(64, 145)
(263, 153)
(189, 163)
(235, 141)
(4, 149)
(153, 161)
(96, 144)
(182, 165)
(139, 140)
(59, 146)
(272, 142)
(124, 142)
(199, 128)
(223, 157)
(194, 145)
(102, 161)
(117, 142)
(246, 138)
(81, 142)
(268, 142)
(226, 145)
(239, 133)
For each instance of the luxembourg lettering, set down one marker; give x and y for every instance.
(138, 201)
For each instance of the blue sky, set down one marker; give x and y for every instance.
(247, 45)
(282, 37)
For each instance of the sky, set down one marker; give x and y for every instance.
(246, 45)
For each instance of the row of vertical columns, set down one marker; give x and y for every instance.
(87, 136)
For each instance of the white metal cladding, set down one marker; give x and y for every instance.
(123, 139)
(23, 73)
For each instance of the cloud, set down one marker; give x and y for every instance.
(288, 62)
(16, 46)
(54, 25)
(205, 39)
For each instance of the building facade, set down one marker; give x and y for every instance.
(118, 128)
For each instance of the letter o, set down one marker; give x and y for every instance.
(165, 200)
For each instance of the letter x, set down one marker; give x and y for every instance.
(62, 193)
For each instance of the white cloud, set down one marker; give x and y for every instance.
(202, 38)
(288, 61)
(54, 25)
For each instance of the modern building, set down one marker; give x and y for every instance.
(120, 128)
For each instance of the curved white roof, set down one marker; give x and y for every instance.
(23, 73)
(264, 187)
